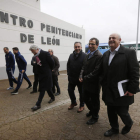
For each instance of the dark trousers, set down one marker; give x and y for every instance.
(36, 81)
(122, 111)
(55, 83)
(92, 100)
(11, 78)
(20, 79)
(41, 95)
(71, 88)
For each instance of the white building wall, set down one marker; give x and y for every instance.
(10, 34)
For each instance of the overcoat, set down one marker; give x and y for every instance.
(74, 66)
(34, 64)
(45, 71)
(123, 66)
(56, 65)
(91, 72)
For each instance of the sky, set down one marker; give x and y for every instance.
(99, 18)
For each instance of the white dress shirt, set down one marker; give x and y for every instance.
(112, 54)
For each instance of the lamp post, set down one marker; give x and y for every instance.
(137, 27)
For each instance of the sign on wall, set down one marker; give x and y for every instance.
(4, 17)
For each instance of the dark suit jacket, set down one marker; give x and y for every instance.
(123, 66)
(34, 64)
(45, 71)
(56, 65)
(74, 66)
(91, 71)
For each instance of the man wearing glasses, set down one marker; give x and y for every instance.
(90, 77)
(74, 65)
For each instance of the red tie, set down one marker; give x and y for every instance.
(38, 61)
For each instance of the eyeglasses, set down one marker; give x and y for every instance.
(91, 44)
(76, 46)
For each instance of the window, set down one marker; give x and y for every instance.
(132, 46)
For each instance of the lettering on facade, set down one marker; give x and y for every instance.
(24, 23)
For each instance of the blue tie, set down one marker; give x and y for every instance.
(90, 55)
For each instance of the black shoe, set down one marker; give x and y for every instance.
(125, 130)
(51, 100)
(111, 132)
(14, 92)
(29, 87)
(34, 108)
(33, 92)
(91, 121)
(89, 114)
(58, 93)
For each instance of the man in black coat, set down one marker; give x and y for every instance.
(120, 81)
(90, 77)
(36, 76)
(74, 65)
(55, 73)
(45, 65)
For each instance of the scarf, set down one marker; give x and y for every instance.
(37, 53)
(38, 61)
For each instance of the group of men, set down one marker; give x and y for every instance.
(10, 68)
(117, 71)
(55, 73)
(45, 73)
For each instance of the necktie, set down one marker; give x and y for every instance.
(90, 55)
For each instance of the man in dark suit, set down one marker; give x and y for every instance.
(55, 73)
(74, 65)
(36, 77)
(120, 81)
(45, 65)
(90, 77)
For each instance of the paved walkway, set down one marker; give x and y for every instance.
(54, 121)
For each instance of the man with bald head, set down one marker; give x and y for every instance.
(120, 81)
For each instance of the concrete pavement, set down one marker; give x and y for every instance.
(54, 121)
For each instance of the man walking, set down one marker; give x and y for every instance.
(36, 77)
(120, 81)
(10, 67)
(90, 77)
(21, 63)
(55, 73)
(45, 65)
(74, 65)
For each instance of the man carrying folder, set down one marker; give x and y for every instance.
(120, 81)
